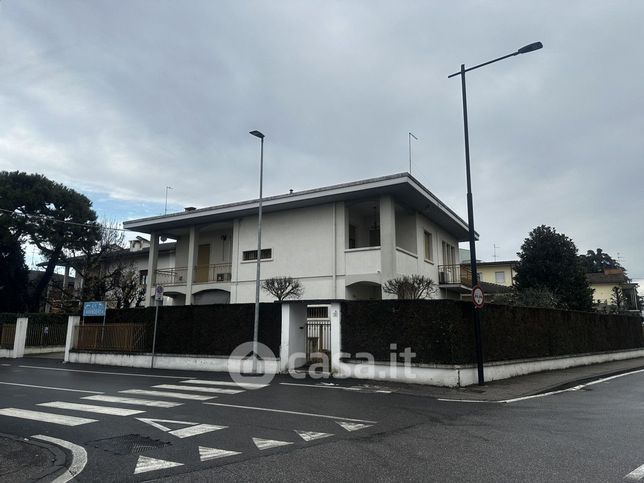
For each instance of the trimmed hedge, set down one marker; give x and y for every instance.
(204, 329)
(35, 318)
(442, 331)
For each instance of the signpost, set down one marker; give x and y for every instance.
(96, 309)
(478, 297)
(158, 297)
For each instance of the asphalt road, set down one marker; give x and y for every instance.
(307, 431)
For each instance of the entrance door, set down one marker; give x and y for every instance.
(318, 335)
(203, 263)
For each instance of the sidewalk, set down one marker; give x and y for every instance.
(523, 385)
(28, 460)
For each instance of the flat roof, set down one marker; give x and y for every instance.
(405, 188)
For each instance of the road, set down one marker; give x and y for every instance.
(141, 425)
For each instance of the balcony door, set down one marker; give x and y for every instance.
(203, 263)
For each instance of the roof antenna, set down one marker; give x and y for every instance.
(410, 136)
(495, 247)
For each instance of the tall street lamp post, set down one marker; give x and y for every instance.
(259, 247)
(470, 209)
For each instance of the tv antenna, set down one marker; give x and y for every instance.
(411, 135)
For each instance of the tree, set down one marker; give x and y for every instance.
(411, 287)
(530, 297)
(283, 287)
(548, 260)
(13, 272)
(617, 299)
(128, 291)
(597, 261)
(48, 215)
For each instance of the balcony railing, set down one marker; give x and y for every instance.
(454, 275)
(218, 272)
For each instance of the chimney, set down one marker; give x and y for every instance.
(189, 208)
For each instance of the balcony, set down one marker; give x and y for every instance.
(215, 273)
(454, 276)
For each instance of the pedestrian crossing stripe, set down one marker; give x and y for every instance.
(145, 464)
(353, 426)
(90, 408)
(176, 395)
(311, 435)
(216, 390)
(45, 417)
(244, 385)
(206, 453)
(269, 443)
(134, 401)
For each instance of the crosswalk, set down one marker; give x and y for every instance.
(136, 402)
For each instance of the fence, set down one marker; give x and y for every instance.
(7, 335)
(111, 337)
(43, 334)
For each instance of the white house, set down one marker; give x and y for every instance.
(341, 242)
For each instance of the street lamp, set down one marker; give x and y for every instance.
(259, 135)
(470, 210)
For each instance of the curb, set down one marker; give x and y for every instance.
(62, 457)
(586, 380)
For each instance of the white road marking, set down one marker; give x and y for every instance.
(177, 395)
(49, 387)
(45, 417)
(193, 429)
(5, 365)
(103, 372)
(320, 386)
(551, 393)
(269, 443)
(90, 408)
(312, 435)
(245, 385)
(353, 426)
(215, 390)
(289, 412)
(206, 453)
(145, 464)
(79, 457)
(134, 401)
(636, 475)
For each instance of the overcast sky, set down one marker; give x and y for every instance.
(121, 99)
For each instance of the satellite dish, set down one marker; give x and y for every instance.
(164, 238)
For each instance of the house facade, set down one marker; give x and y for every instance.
(341, 242)
(604, 283)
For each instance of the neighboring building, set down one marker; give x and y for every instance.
(604, 283)
(499, 273)
(341, 242)
(134, 257)
(53, 296)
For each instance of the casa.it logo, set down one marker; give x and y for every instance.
(248, 373)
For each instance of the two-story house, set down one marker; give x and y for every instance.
(341, 242)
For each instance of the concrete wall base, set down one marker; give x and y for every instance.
(44, 350)
(184, 362)
(466, 375)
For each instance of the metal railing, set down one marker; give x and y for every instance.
(7, 335)
(217, 272)
(111, 337)
(454, 274)
(41, 335)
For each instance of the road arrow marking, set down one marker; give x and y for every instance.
(353, 426)
(311, 435)
(206, 453)
(192, 429)
(269, 443)
(145, 464)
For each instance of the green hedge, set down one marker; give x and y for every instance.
(37, 318)
(204, 329)
(442, 332)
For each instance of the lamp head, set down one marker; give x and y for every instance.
(530, 47)
(257, 134)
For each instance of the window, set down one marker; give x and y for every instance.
(352, 236)
(143, 277)
(429, 255)
(249, 255)
(499, 277)
(449, 254)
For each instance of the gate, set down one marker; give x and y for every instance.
(318, 334)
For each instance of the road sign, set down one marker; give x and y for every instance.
(478, 297)
(158, 293)
(94, 309)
